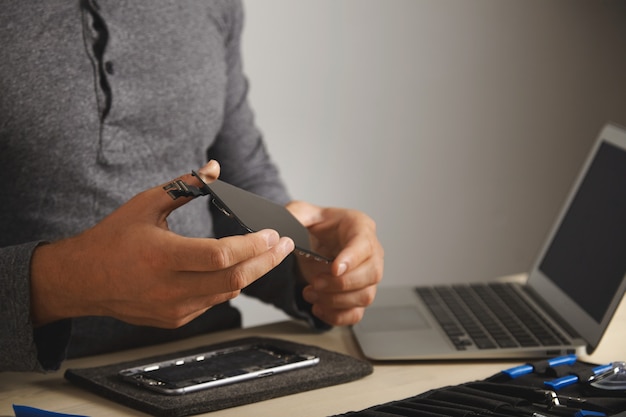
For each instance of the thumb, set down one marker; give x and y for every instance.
(306, 213)
(165, 198)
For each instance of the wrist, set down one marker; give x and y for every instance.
(49, 293)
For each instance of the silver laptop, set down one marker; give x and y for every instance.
(571, 294)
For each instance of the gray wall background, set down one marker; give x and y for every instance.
(457, 125)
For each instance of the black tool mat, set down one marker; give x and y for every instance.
(334, 368)
(501, 396)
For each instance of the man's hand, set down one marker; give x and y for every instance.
(132, 267)
(339, 292)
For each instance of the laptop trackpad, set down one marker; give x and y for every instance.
(385, 319)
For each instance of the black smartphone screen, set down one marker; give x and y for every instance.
(256, 213)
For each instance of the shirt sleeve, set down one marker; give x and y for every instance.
(282, 288)
(239, 146)
(23, 348)
(246, 163)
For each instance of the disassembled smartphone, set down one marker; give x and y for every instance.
(215, 368)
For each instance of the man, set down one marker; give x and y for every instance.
(101, 105)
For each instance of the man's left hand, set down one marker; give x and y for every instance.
(340, 291)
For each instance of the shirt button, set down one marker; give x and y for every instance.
(108, 67)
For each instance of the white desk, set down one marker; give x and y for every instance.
(390, 381)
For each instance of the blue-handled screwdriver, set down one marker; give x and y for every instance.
(566, 380)
(527, 369)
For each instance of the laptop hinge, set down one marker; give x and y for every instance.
(573, 334)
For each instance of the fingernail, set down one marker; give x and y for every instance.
(288, 244)
(341, 269)
(271, 237)
(208, 170)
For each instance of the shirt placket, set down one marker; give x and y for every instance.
(111, 148)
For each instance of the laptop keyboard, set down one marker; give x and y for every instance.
(488, 316)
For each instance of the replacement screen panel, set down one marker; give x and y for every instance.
(256, 213)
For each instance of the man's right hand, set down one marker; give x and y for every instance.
(132, 267)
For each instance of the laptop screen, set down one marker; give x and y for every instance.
(589, 248)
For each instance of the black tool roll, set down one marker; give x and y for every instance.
(526, 395)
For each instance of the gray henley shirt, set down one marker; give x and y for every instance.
(100, 100)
